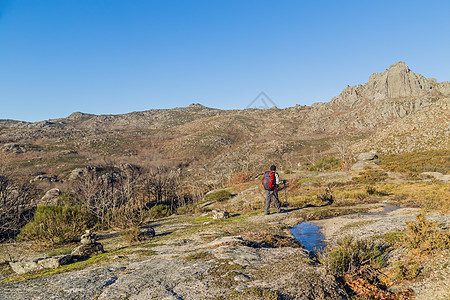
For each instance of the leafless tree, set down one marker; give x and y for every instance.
(16, 204)
(341, 146)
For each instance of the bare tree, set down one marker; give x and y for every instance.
(341, 146)
(16, 204)
(160, 184)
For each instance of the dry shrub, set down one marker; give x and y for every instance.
(425, 236)
(16, 205)
(241, 177)
(349, 255)
(370, 176)
(406, 270)
(356, 263)
(130, 235)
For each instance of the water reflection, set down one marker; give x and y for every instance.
(309, 236)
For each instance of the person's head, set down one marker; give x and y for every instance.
(273, 168)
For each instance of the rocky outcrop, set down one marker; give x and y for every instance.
(14, 148)
(49, 178)
(22, 267)
(396, 82)
(51, 197)
(365, 160)
(438, 176)
(428, 129)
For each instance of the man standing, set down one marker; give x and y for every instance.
(271, 181)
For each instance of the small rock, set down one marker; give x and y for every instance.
(241, 278)
(437, 175)
(87, 250)
(55, 261)
(220, 214)
(22, 267)
(51, 197)
(367, 156)
(146, 234)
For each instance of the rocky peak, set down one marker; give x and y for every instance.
(196, 105)
(78, 115)
(396, 82)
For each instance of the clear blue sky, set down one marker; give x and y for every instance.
(111, 56)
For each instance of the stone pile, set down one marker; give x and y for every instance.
(220, 214)
(89, 246)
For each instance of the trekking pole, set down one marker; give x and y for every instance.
(285, 196)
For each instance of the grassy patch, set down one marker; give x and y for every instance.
(254, 293)
(220, 196)
(430, 195)
(61, 251)
(326, 164)
(417, 162)
(357, 225)
(201, 255)
(391, 238)
(371, 176)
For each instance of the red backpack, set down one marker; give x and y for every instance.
(269, 180)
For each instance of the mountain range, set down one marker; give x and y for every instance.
(396, 111)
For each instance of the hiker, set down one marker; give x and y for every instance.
(271, 181)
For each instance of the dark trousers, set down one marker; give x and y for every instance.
(269, 196)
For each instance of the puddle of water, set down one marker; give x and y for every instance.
(309, 236)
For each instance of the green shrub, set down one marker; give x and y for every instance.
(425, 236)
(56, 225)
(373, 191)
(189, 209)
(221, 195)
(160, 211)
(326, 164)
(349, 255)
(130, 235)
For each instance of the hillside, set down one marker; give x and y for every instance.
(395, 111)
